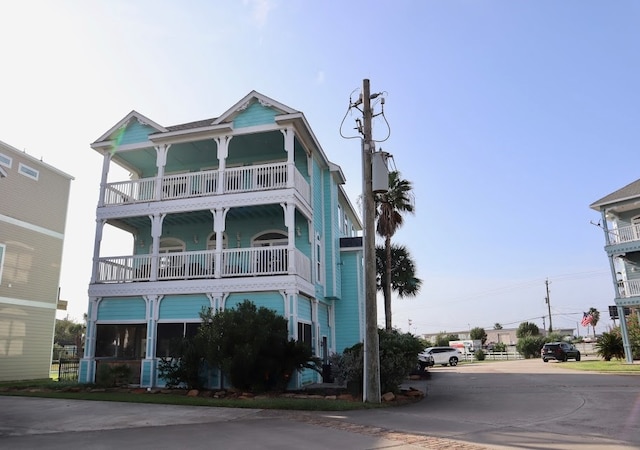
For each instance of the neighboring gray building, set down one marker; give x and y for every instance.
(620, 221)
(505, 335)
(33, 209)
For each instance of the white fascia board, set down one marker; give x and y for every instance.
(191, 134)
(108, 145)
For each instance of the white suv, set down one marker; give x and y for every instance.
(443, 355)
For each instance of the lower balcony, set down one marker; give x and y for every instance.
(240, 262)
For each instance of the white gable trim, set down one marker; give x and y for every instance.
(132, 115)
(243, 103)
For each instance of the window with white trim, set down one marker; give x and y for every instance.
(28, 171)
(304, 334)
(635, 223)
(170, 336)
(318, 259)
(6, 161)
(3, 249)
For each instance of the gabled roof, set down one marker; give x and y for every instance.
(246, 101)
(629, 192)
(132, 115)
(189, 125)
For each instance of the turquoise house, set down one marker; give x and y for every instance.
(243, 206)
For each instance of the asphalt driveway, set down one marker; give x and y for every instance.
(497, 405)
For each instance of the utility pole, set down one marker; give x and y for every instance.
(543, 324)
(371, 380)
(546, 282)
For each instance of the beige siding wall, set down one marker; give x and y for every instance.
(32, 261)
(32, 221)
(26, 340)
(26, 199)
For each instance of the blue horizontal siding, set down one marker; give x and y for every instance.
(269, 300)
(304, 308)
(255, 114)
(128, 308)
(347, 309)
(182, 306)
(135, 132)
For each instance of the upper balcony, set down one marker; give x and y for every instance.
(238, 262)
(232, 180)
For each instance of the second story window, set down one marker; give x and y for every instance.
(318, 259)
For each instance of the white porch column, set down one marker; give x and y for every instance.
(161, 161)
(96, 249)
(223, 153)
(148, 364)
(156, 234)
(290, 223)
(315, 327)
(289, 147)
(219, 225)
(105, 173)
(87, 369)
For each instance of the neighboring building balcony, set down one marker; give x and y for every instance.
(206, 183)
(240, 262)
(628, 288)
(624, 239)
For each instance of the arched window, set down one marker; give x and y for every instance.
(271, 261)
(169, 246)
(270, 239)
(211, 242)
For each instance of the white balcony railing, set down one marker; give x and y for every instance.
(203, 183)
(628, 288)
(624, 234)
(240, 262)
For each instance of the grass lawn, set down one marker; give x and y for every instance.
(613, 366)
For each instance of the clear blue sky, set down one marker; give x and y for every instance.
(509, 118)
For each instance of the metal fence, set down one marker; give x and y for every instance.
(68, 369)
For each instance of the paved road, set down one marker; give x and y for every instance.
(501, 405)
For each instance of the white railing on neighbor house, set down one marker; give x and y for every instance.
(198, 184)
(240, 262)
(624, 234)
(628, 288)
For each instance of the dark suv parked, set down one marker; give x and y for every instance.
(560, 351)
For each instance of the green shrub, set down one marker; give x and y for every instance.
(112, 375)
(186, 367)
(398, 357)
(480, 355)
(500, 347)
(610, 345)
(252, 347)
(529, 346)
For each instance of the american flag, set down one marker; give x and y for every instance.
(586, 319)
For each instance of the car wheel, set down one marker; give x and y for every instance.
(453, 361)
(578, 356)
(545, 360)
(564, 358)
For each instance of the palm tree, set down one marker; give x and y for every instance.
(390, 207)
(595, 317)
(403, 271)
